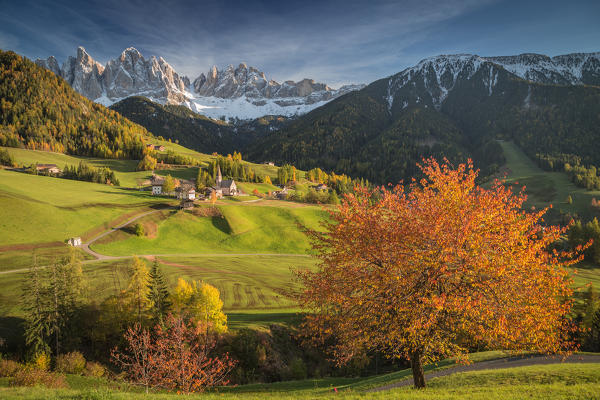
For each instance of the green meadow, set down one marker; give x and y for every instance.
(544, 188)
(239, 228)
(254, 288)
(555, 381)
(36, 209)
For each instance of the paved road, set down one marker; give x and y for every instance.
(497, 364)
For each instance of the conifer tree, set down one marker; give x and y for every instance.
(158, 294)
(37, 329)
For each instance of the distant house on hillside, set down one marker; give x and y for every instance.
(74, 241)
(48, 168)
(281, 194)
(185, 192)
(271, 163)
(157, 183)
(156, 147)
(321, 186)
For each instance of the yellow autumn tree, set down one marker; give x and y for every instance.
(202, 303)
(137, 288)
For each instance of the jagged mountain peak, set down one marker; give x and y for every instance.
(212, 93)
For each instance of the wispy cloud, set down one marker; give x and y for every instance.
(337, 42)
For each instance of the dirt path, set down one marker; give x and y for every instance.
(86, 246)
(151, 256)
(497, 364)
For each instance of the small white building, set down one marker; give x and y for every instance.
(157, 183)
(74, 241)
(186, 192)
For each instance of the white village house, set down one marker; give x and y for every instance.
(186, 192)
(74, 241)
(157, 182)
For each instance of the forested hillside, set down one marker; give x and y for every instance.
(179, 123)
(38, 110)
(382, 131)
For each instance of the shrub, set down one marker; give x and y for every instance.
(94, 369)
(298, 369)
(70, 363)
(9, 368)
(34, 377)
(139, 230)
(148, 163)
(41, 361)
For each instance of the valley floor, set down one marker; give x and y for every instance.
(513, 378)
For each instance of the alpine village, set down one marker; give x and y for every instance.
(425, 225)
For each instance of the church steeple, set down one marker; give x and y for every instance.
(219, 178)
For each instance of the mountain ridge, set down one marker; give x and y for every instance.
(448, 106)
(239, 93)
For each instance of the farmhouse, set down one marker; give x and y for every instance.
(156, 147)
(74, 241)
(48, 168)
(321, 186)
(281, 194)
(157, 182)
(186, 192)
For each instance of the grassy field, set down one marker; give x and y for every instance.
(544, 188)
(240, 228)
(36, 209)
(253, 288)
(557, 381)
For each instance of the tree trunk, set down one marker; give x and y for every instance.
(417, 370)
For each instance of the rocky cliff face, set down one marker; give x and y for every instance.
(243, 92)
(250, 82)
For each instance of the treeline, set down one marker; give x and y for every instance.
(85, 172)
(579, 234)
(40, 111)
(232, 167)
(339, 183)
(580, 175)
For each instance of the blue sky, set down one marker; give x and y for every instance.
(335, 42)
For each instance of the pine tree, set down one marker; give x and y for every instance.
(37, 328)
(158, 294)
(593, 342)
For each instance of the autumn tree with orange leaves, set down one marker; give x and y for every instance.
(424, 272)
(177, 356)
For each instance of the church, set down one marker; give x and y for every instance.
(224, 187)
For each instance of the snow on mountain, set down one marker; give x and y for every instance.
(430, 81)
(243, 92)
(568, 69)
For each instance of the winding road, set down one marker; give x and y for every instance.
(500, 363)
